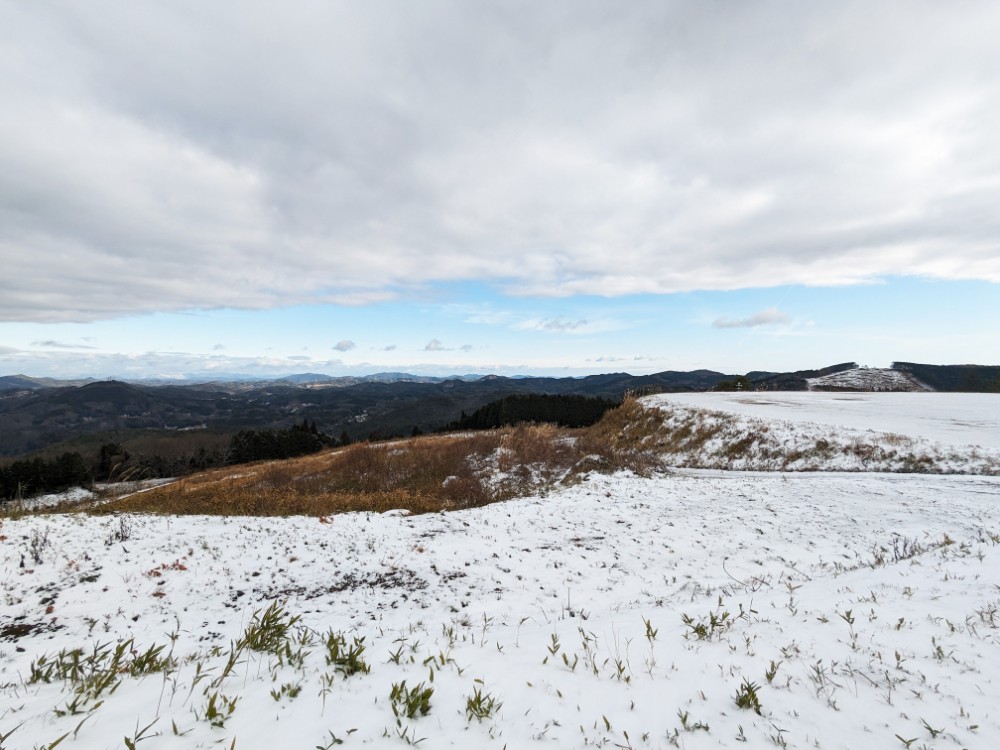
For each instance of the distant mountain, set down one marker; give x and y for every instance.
(313, 379)
(18, 383)
(307, 377)
(26, 383)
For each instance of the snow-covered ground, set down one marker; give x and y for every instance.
(78, 494)
(862, 610)
(959, 419)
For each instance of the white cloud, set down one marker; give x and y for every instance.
(344, 345)
(83, 363)
(347, 155)
(555, 325)
(50, 344)
(435, 346)
(767, 317)
(607, 358)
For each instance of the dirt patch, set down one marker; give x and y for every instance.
(397, 578)
(19, 628)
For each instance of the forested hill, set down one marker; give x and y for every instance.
(956, 378)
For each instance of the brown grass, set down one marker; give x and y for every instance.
(426, 474)
(626, 438)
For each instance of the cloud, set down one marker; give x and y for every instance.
(466, 347)
(389, 348)
(767, 317)
(50, 344)
(608, 358)
(218, 348)
(84, 363)
(200, 367)
(435, 346)
(555, 325)
(344, 345)
(562, 325)
(675, 147)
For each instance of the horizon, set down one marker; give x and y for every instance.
(451, 189)
(229, 377)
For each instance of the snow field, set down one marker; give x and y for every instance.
(960, 419)
(809, 431)
(870, 600)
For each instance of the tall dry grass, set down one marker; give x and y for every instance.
(626, 438)
(426, 474)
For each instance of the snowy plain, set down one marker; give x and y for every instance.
(861, 609)
(960, 419)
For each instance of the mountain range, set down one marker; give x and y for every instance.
(40, 413)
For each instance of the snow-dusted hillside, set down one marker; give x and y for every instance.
(867, 379)
(953, 419)
(692, 609)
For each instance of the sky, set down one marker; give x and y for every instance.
(195, 189)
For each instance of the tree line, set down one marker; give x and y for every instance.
(115, 462)
(563, 410)
(268, 445)
(38, 476)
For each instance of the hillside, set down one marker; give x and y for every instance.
(866, 379)
(795, 381)
(955, 378)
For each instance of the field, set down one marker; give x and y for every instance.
(959, 419)
(695, 607)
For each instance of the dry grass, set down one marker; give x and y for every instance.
(628, 437)
(426, 474)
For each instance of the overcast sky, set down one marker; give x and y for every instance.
(462, 187)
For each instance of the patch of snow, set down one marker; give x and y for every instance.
(49, 500)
